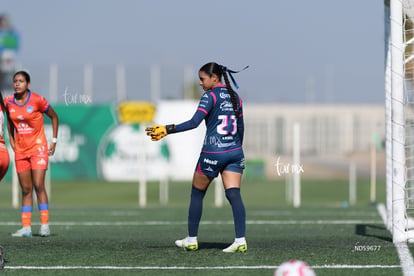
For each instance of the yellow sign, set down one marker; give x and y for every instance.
(136, 112)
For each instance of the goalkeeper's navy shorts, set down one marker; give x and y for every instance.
(213, 163)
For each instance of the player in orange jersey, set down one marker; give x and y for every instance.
(31, 150)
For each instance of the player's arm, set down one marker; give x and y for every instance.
(158, 132)
(55, 126)
(194, 122)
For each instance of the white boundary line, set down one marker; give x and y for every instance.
(149, 223)
(250, 222)
(406, 259)
(188, 267)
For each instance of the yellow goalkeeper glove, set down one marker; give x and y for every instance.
(157, 132)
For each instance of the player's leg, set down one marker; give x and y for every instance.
(198, 191)
(24, 174)
(42, 200)
(39, 163)
(231, 176)
(231, 182)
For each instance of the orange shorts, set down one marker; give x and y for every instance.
(4, 160)
(37, 160)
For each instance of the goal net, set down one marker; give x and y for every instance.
(399, 106)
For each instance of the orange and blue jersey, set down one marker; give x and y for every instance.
(224, 131)
(28, 120)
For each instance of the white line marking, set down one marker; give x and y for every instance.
(190, 267)
(383, 212)
(406, 259)
(251, 222)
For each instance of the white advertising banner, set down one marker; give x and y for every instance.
(127, 154)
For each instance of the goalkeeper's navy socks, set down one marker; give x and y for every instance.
(239, 213)
(195, 211)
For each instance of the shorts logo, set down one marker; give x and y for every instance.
(29, 109)
(209, 169)
(41, 162)
(211, 162)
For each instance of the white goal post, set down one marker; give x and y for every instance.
(399, 114)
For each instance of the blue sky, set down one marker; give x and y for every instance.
(298, 51)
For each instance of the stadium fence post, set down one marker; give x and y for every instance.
(352, 183)
(88, 80)
(142, 187)
(218, 192)
(120, 82)
(296, 161)
(15, 187)
(53, 82)
(373, 184)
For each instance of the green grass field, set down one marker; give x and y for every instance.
(98, 228)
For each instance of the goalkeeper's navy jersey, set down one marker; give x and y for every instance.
(224, 131)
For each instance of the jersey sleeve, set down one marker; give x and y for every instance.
(43, 104)
(6, 101)
(205, 105)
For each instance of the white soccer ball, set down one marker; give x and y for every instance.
(294, 268)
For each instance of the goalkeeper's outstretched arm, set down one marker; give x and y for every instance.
(157, 132)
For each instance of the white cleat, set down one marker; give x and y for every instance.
(23, 232)
(44, 230)
(186, 245)
(236, 247)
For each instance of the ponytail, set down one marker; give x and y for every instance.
(233, 97)
(234, 101)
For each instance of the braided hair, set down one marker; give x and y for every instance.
(221, 72)
(233, 97)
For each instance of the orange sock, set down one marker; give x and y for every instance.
(26, 219)
(44, 216)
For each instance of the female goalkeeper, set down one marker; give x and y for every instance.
(222, 152)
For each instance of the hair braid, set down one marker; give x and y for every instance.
(233, 97)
